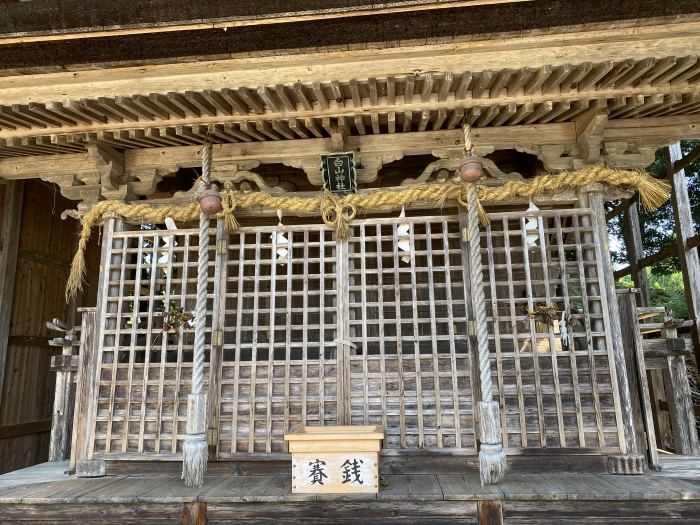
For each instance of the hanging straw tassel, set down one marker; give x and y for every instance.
(195, 449)
(229, 203)
(336, 213)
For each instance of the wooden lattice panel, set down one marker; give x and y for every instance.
(279, 355)
(144, 373)
(555, 390)
(410, 368)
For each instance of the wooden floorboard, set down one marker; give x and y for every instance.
(414, 487)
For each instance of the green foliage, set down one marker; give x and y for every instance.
(665, 290)
(658, 225)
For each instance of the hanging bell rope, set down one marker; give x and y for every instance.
(195, 448)
(337, 211)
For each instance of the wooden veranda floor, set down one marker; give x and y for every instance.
(42, 494)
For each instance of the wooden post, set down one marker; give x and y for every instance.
(489, 512)
(9, 244)
(63, 393)
(631, 461)
(635, 251)
(217, 338)
(86, 466)
(680, 407)
(342, 333)
(194, 513)
(81, 431)
(689, 259)
(636, 372)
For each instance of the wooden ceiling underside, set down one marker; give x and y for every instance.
(426, 102)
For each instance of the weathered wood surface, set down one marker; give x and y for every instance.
(685, 229)
(10, 220)
(37, 295)
(633, 346)
(635, 248)
(403, 333)
(222, 489)
(42, 494)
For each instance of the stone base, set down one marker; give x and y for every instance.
(627, 464)
(90, 468)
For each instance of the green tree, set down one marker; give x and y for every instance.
(658, 225)
(664, 290)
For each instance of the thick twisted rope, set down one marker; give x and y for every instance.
(337, 211)
(200, 313)
(478, 297)
(194, 452)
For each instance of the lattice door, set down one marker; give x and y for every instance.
(143, 373)
(556, 380)
(279, 368)
(410, 368)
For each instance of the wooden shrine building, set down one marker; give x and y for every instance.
(466, 318)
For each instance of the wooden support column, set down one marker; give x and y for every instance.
(637, 374)
(63, 402)
(84, 387)
(217, 339)
(632, 233)
(87, 466)
(690, 262)
(680, 407)
(489, 512)
(9, 245)
(194, 513)
(631, 461)
(343, 329)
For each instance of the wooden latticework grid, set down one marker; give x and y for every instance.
(279, 359)
(144, 372)
(555, 379)
(308, 329)
(410, 368)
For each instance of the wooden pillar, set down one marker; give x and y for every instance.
(64, 400)
(217, 339)
(194, 513)
(86, 357)
(489, 512)
(342, 333)
(632, 233)
(690, 262)
(87, 466)
(631, 461)
(680, 407)
(637, 374)
(9, 246)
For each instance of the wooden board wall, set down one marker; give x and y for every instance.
(45, 249)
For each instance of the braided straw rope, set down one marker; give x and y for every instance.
(194, 450)
(478, 298)
(337, 211)
(200, 313)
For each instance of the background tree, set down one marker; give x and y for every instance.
(658, 225)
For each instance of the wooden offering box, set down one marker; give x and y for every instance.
(335, 460)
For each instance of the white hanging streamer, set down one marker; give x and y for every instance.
(531, 226)
(280, 241)
(403, 238)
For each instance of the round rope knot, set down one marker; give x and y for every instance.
(336, 212)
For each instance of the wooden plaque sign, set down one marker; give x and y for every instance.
(338, 170)
(335, 472)
(335, 460)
